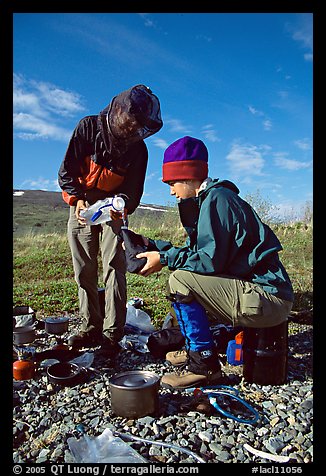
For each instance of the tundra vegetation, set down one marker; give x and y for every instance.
(43, 276)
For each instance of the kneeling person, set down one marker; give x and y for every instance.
(229, 268)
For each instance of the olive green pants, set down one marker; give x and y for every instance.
(85, 243)
(231, 301)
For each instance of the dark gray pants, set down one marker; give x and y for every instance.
(85, 243)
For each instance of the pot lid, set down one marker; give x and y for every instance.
(56, 320)
(134, 379)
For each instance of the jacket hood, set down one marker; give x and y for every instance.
(216, 183)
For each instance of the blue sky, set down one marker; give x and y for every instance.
(241, 82)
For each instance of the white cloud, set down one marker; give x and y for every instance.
(255, 111)
(210, 133)
(160, 143)
(267, 123)
(302, 32)
(38, 128)
(246, 160)
(57, 100)
(177, 126)
(39, 108)
(25, 101)
(41, 184)
(151, 176)
(281, 160)
(147, 21)
(308, 56)
(303, 144)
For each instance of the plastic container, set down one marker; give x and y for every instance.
(99, 212)
(234, 351)
(265, 354)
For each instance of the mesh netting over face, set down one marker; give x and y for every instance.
(134, 114)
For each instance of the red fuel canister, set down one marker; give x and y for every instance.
(23, 369)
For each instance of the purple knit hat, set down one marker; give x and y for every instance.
(185, 159)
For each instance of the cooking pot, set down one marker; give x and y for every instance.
(134, 393)
(56, 325)
(23, 316)
(64, 373)
(23, 335)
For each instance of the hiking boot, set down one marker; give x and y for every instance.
(180, 380)
(201, 368)
(109, 348)
(85, 339)
(177, 357)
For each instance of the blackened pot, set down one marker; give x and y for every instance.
(64, 373)
(23, 335)
(134, 393)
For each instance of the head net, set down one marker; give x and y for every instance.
(134, 114)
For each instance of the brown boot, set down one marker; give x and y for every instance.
(109, 348)
(180, 380)
(85, 339)
(202, 368)
(177, 357)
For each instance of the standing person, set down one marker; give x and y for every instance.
(106, 156)
(229, 269)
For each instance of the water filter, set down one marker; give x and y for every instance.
(99, 212)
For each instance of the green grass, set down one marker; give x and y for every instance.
(33, 219)
(44, 280)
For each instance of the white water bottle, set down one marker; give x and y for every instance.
(99, 212)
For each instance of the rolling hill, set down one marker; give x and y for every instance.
(38, 211)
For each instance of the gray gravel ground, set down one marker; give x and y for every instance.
(45, 416)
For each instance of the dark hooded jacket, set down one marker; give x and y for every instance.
(87, 164)
(227, 238)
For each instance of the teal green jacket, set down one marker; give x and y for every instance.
(227, 238)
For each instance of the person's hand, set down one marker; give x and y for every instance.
(152, 265)
(80, 205)
(114, 215)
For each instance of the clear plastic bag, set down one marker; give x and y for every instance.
(139, 319)
(135, 342)
(84, 360)
(168, 321)
(105, 448)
